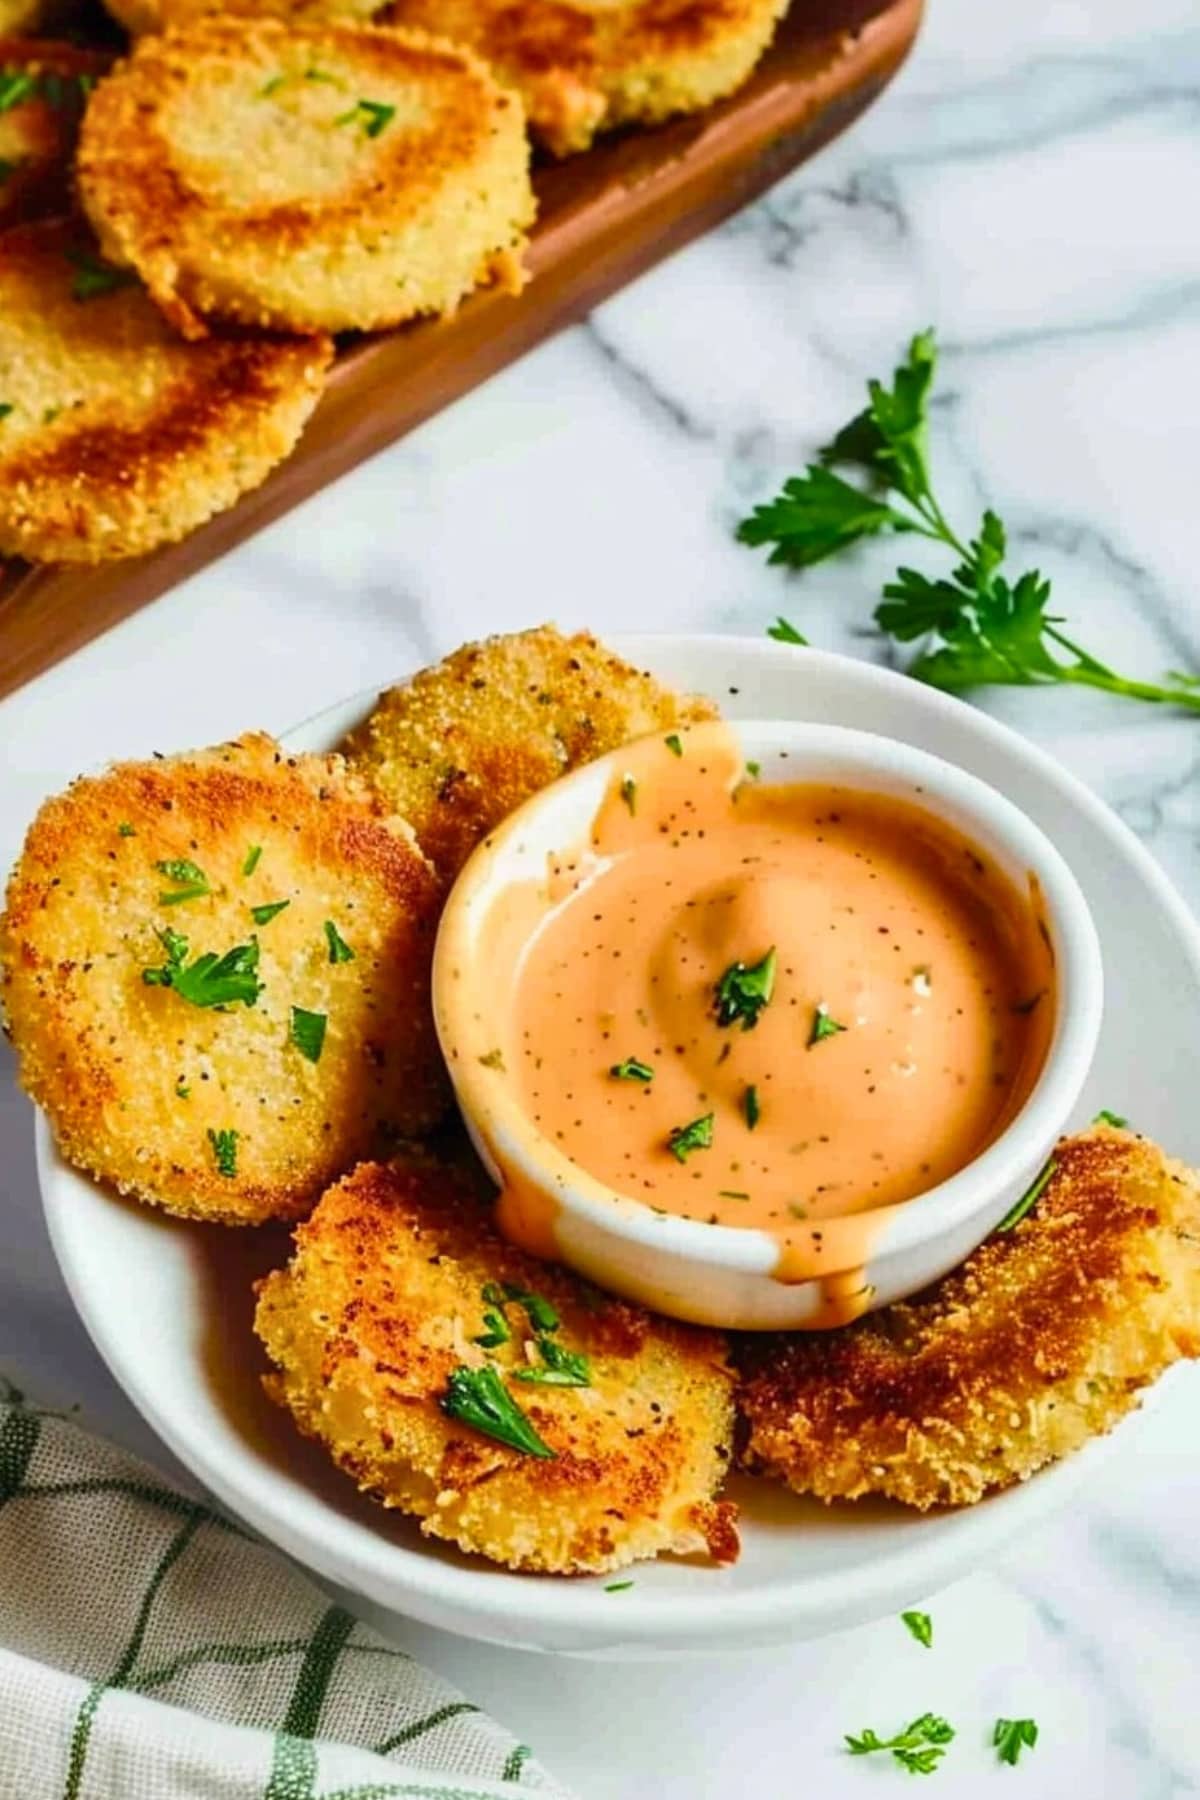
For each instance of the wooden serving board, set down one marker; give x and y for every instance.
(604, 217)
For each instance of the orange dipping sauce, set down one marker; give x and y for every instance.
(765, 1006)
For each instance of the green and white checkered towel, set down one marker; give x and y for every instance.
(150, 1649)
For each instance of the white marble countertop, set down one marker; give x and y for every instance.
(1028, 186)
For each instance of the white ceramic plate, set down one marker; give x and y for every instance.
(168, 1304)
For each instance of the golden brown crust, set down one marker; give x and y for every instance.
(305, 176)
(460, 745)
(382, 1301)
(119, 437)
(140, 16)
(1040, 1341)
(582, 68)
(106, 1055)
(38, 130)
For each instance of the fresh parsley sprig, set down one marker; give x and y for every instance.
(210, 980)
(918, 1748)
(981, 626)
(478, 1397)
(744, 989)
(1011, 1736)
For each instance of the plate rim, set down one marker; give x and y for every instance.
(511, 1608)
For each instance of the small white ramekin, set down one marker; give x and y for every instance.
(717, 1274)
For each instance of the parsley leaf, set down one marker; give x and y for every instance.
(1104, 1117)
(16, 86)
(372, 115)
(1011, 1736)
(478, 1397)
(674, 743)
(124, 829)
(5, 408)
(751, 1107)
(559, 1367)
(496, 1327)
(271, 909)
(540, 1313)
(195, 881)
(94, 277)
(921, 1626)
(784, 632)
(617, 1587)
(629, 792)
(339, 949)
(744, 990)
(252, 856)
(211, 980)
(1029, 1198)
(918, 1748)
(632, 1070)
(977, 627)
(224, 1149)
(823, 1026)
(308, 1032)
(686, 1138)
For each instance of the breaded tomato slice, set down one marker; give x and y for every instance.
(1041, 1340)
(582, 68)
(306, 176)
(460, 745)
(216, 977)
(403, 1321)
(116, 437)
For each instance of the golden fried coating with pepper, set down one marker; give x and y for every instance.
(116, 437)
(233, 1088)
(396, 1279)
(306, 176)
(582, 68)
(460, 745)
(43, 89)
(1040, 1341)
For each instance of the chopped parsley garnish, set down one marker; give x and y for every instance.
(125, 830)
(632, 1070)
(16, 85)
(195, 881)
(373, 115)
(308, 1032)
(559, 1367)
(538, 1310)
(921, 1627)
(252, 856)
(5, 409)
(182, 1090)
(94, 277)
(1029, 1198)
(617, 1587)
(1104, 1117)
(493, 1060)
(674, 743)
(339, 949)
(224, 1149)
(321, 75)
(732, 1194)
(686, 1138)
(211, 980)
(744, 989)
(629, 792)
(271, 87)
(262, 915)
(784, 632)
(822, 1026)
(496, 1327)
(750, 1107)
(918, 1748)
(478, 1397)
(1011, 1736)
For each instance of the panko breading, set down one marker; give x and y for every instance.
(142, 1082)
(582, 68)
(43, 87)
(1040, 1341)
(306, 176)
(460, 745)
(117, 437)
(384, 1300)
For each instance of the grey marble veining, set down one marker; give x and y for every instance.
(1029, 187)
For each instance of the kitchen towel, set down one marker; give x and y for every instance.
(151, 1649)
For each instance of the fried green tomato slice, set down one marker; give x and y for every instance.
(582, 69)
(216, 978)
(398, 1285)
(306, 176)
(1042, 1340)
(463, 743)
